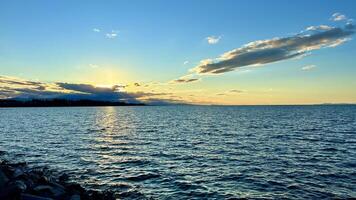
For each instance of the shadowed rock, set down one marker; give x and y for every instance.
(20, 182)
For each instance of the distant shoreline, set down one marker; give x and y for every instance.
(11, 103)
(15, 103)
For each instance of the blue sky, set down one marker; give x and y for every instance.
(159, 41)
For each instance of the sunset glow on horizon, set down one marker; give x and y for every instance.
(168, 51)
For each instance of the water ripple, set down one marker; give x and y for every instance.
(192, 152)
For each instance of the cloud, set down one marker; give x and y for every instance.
(145, 95)
(111, 35)
(185, 80)
(338, 17)
(320, 27)
(230, 92)
(15, 88)
(263, 52)
(308, 67)
(213, 39)
(11, 87)
(167, 101)
(87, 88)
(235, 91)
(15, 81)
(137, 84)
(93, 66)
(185, 62)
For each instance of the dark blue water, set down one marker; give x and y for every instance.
(192, 152)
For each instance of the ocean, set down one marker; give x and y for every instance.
(192, 152)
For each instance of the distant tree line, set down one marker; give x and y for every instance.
(61, 103)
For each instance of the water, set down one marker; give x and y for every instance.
(192, 152)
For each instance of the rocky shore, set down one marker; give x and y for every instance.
(18, 181)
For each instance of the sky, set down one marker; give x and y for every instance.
(225, 52)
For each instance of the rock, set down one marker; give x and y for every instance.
(42, 187)
(3, 179)
(75, 188)
(95, 195)
(20, 182)
(63, 178)
(59, 186)
(20, 185)
(43, 179)
(18, 172)
(8, 171)
(43, 190)
(37, 171)
(9, 192)
(29, 182)
(58, 190)
(33, 197)
(54, 191)
(75, 197)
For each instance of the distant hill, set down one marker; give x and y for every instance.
(61, 103)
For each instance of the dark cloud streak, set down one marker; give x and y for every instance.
(186, 80)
